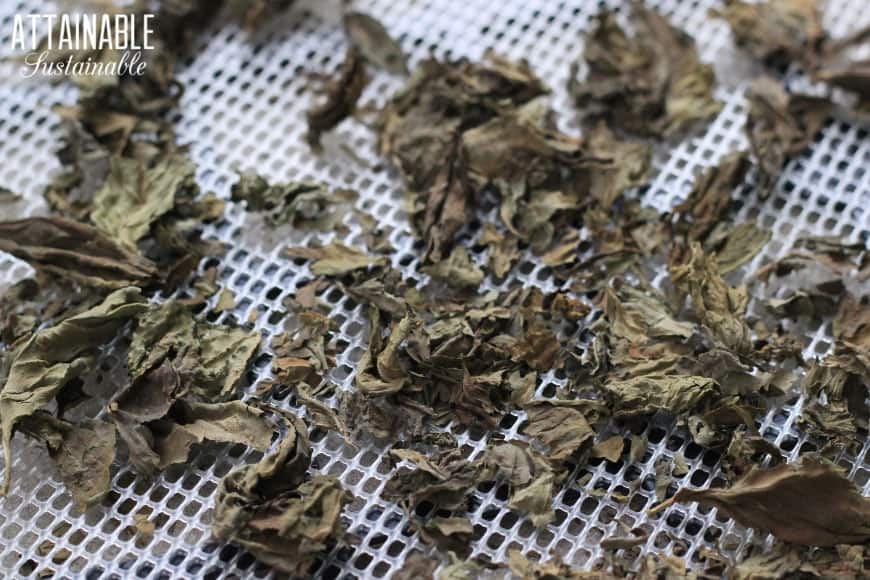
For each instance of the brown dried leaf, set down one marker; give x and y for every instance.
(808, 502)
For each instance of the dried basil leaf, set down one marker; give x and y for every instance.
(83, 453)
(56, 355)
(453, 534)
(342, 95)
(334, 259)
(720, 307)
(287, 530)
(457, 270)
(374, 42)
(807, 502)
(75, 251)
(779, 126)
(735, 246)
(135, 196)
(303, 205)
(649, 394)
(210, 358)
(775, 32)
(710, 197)
(444, 480)
(560, 425)
(652, 83)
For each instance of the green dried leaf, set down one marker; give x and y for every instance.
(83, 454)
(334, 259)
(710, 197)
(445, 480)
(135, 196)
(720, 307)
(286, 531)
(304, 205)
(458, 270)
(55, 355)
(211, 358)
(561, 426)
(735, 246)
(453, 534)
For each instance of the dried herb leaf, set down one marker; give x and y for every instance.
(735, 246)
(807, 502)
(453, 534)
(304, 205)
(775, 32)
(287, 530)
(374, 42)
(710, 197)
(720, 307)
(342, 95)
(560, 425)
(779, 126)
(83, 454)
(444, 480)
(55, 355)
(648, 394)
(652, 83)
(210, 358)
(270, 510)
(75, 251)
(334, 259)
(135, 196)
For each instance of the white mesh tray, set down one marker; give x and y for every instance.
(243, 108)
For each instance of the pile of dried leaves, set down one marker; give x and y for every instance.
(490, 179)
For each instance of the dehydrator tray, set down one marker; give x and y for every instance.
(244, 108)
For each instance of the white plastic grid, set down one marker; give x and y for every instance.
(244, 108)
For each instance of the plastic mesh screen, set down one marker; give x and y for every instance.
(244, 108)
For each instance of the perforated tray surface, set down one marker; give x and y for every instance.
(243, 108)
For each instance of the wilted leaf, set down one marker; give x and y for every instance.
(710, 197)
(445, 479)
(286, 531)
(720, 307)
(457, 270)
(735, 246)
(453, 534)
(609, 449)
(560, 425)
(211, 358)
